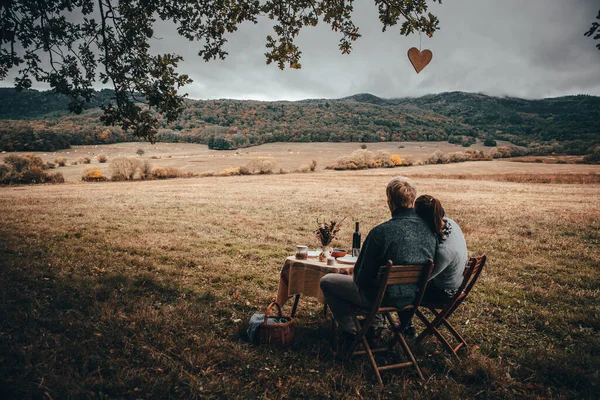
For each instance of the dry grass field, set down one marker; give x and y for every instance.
(197, 158)
(137, 289)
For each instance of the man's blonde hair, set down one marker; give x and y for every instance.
(401, 193)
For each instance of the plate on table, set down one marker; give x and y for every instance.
(347, 260)
(313, 253)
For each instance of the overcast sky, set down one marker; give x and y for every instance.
(522, 48)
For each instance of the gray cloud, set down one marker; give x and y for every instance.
(530, 49)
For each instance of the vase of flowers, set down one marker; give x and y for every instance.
(326, 231)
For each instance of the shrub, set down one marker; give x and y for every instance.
(207, 174)
(140, 152)
(282, 171)
(478, 155)
(61, 161)
(187, 174)
(362, 158)
(23, 169)
(220, 144)
(359, 159)
(146, 170)
(92, 174)
(438, 157)
(173, 172)
(467, 141)
(593, 157)
(304, 168)
(56, 177)
(33, 175)
(245, 171)
(168, 172)
(454, 139)
(50, 165)
(505, 151)
(382, 160)
(159, 173)
(124, 168)
(458, 156)
(489, 142)
(74, 163)
(363, 146)
(397, 160)
(102, 158)
(313, 166)
(261, 165)
(4, 172)
(24, 162)
(230, 171)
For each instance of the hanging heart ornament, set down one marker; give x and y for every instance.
(419, 59)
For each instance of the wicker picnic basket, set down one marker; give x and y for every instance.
(281, 334)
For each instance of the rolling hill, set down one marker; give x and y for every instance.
(33, 120)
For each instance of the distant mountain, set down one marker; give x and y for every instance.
(569, 124)
(368, 98)
(34, 104)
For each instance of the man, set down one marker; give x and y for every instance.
(404, 239)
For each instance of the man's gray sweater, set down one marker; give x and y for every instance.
(404, 239)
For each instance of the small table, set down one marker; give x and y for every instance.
(303, 277)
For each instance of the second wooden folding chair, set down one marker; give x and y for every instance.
(391, 275)
(442, 312)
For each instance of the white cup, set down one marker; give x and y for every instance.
(330, 261)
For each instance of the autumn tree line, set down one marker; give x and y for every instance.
(566, 125)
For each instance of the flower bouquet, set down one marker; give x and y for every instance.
(326, 231)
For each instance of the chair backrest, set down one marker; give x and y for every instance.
(471, 274)
(403, 274)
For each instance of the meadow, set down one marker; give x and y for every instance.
(143, 289)
(199, 159)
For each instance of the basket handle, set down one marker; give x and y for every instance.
(269, 309)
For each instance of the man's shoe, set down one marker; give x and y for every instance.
(346, 340)
(410, 332)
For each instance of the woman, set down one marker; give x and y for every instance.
(451, 255)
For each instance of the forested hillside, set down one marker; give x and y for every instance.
(33, 120)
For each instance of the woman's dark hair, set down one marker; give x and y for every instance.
(431, 210)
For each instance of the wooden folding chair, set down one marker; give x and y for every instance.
(442, 311)
(391, 275)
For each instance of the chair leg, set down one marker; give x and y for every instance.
(453, 331)
(372, 359)
(431, 329)
(428, 327)
(361, 339)
(334, 341)
(404, 345)
(357, 339)
(410, 355)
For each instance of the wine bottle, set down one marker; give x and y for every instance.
(356, 242)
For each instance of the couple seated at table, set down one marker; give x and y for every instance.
(417, 231)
